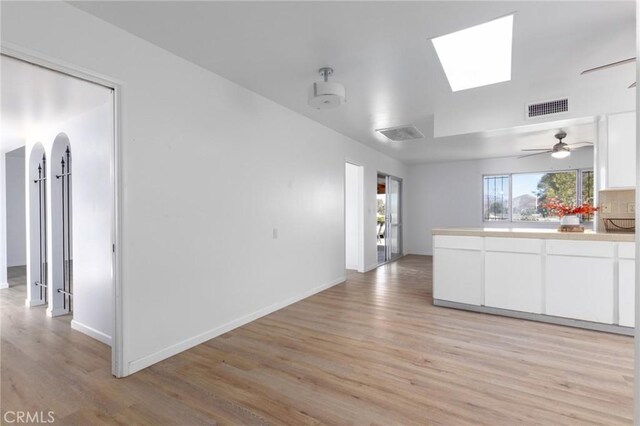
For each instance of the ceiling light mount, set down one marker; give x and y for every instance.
(325, 72)
(561, 149)
(326, 94)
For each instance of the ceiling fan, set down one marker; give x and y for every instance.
(612, 64)
(560, 149)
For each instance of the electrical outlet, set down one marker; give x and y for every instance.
(631, 208)
(605, 208)
(275, 233)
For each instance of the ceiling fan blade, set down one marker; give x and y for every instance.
(632, 85)
(612, 64)
(576, 148)
(580, 143)
(534, 149)
(537, 153)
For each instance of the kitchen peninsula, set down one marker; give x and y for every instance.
(576, 279)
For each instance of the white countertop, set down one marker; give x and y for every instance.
(550, 234)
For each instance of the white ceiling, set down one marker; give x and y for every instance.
(32, 98)
(381, 52)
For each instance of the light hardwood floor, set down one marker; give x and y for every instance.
(372, 350)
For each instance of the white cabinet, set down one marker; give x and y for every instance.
(626, 284)
(621, 150)
(513, 274)
(577, 284)
(457, 269)
(584, 280)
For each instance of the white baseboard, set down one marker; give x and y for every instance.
(91, 332)
(30, 303)
(421, 253)
(165, 353)
(56, 312)
(371, 267)
(352, 267)
(4, 285)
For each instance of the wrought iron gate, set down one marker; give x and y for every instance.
(67, 266)
(41, 283)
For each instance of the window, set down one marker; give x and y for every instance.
(586, 194)
(531, 191)
(496, 198)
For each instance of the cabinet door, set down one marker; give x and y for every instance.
(626, 292)
(580, 288)
(457, 275)
(621, 151)
(513, 281)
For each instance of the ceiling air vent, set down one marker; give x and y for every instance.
(401, 133)
(547, 108)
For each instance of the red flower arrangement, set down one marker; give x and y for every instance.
(562, 209)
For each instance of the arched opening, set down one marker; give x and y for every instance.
(61, 270)
(37, 259)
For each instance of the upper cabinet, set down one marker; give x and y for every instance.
(621, 150)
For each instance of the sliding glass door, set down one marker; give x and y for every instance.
(394, 218)
(389, 210)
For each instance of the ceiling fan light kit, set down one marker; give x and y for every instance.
(561, 153)
(326, 94)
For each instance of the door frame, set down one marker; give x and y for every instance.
(118, 368)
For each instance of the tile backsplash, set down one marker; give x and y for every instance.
(615, 203)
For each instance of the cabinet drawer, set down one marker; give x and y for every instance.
(581, 248)
(455, 242)
(514, 245)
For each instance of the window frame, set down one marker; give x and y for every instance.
(579, 188)
(508, 175)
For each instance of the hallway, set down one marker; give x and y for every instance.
(371, 350)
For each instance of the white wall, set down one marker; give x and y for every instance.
(91, 136)
(3, 224)
(450, 194)
(209, 169)
(15, 209)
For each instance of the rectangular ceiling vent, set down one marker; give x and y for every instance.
(547, 108)
(401, 133)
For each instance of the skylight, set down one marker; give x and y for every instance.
(477, 56)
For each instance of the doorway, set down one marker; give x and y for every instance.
(354, 217)
(388, 218)
(70, 212)
(16, 238)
